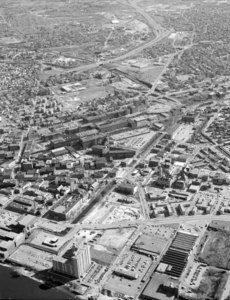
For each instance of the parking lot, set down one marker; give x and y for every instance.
(195, 274)
(127, 278)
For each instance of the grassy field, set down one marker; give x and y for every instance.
(216, 249)
(151, 74)
(211, 285)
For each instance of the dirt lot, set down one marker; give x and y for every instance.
(183, 133)
(115, 238)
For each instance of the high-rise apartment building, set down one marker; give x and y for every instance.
(74, 262)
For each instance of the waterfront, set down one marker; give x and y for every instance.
(25, 288)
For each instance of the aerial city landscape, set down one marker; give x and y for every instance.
(115, 149)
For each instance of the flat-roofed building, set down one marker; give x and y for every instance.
(8, 242)
(59, 151)
(49, 242)
(67, 208)
(126, 187)
(75, 262)
(139, 121)
(114, 125)
(89, 141)
(160, 287)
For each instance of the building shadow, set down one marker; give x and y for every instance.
(52, 279)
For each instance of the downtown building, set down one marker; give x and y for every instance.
(74, 262)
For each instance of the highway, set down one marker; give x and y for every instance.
(154, 26)
(159, 31)
(178, 52)
(121, 57)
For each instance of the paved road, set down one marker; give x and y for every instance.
(121, 57)
(154, 26)
(161, 74)
(156, 221)
(160, 32)
(116, 263)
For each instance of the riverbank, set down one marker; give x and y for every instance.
(25, 286)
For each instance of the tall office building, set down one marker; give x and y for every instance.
(74, 262)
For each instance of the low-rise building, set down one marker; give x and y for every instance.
(67, 208)
(9, 241)
(126, 188)
(160, 287)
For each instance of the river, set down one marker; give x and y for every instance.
(25, 288)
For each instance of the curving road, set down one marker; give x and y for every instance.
(154, 26)
(159, 31)
(121, 57)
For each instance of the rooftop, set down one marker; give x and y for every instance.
(65, 204)
(154, 289)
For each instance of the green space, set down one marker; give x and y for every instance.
(211, 285)
(216, 249)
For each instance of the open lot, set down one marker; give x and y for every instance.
(115, 238)
(151, 74)
(107, 213)
(107, 244)
(99, 214)
(216, 249)
(33, 258)
(205, 283)
(101, 255)
(123, 213)
(183, 133)
(117, 198)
